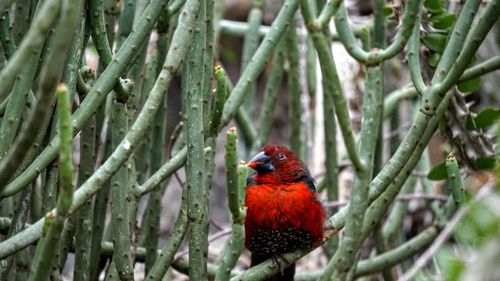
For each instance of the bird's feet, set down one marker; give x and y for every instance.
(278, 260)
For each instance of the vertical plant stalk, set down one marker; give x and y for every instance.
(297, 132)
(98, 223)
(40, 26)
(454, 180)
(414, 58)
(125, 22)
(15, 104)
(83, 234)
(54, 220)
(250, 44)
(151, 223)
(50, 75)
(122, 257)
(247, 129)
(96, 95)
(331, 159)
(6, 38)
(329, 70)
(214, 122)
(166, 257)
(270, 96)
(100, 39)
(235, 193)
(195, 166)
(344, 259)
(17, 223)
(220, 98)
(259, 60)
(394, 221)
(208, 65)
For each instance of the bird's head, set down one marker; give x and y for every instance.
(277, 163)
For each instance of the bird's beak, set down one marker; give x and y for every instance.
(261, 162)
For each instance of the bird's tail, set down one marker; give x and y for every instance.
(286, 274)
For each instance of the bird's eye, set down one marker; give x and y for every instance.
(280, 156)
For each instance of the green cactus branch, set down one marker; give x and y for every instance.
(372, 118)
(36, 36)
(250, 44)
(394, 221)
(327, 12)
(164, 172)
(166, 256)
(54, 220)
(332, 85)
(270, 97)
(232, 175)
(329, 70)
(457, 39)
(51, 74)
(251, 72)
(95, 97)
(381, 203)
(459, 34)
(195, 169)
(122, 257)
(150, 226)
(295, 115)
(455, 180)
(84, 219)
(365, 267)
(432, 100)
(220, 98)
(120, 155)
(236, 181)
(239, 29)
(346, 35)
(414, 58)
(472, 42)
(100, 39)
(388, 259)
(408, 91)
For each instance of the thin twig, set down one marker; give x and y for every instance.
(442, 237)
(405, 197)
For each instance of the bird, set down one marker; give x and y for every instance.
(283, 210)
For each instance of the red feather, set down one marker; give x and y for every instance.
(283, 212)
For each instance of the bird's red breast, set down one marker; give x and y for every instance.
(282, 206)
(283, 212)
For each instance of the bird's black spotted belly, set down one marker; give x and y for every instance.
(272, 243)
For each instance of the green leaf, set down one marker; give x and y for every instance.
(434, 59)
(470, 123)
(387, 10)
(435, 42)
(487, 117)
(434, 6)
(442, 21)
(468, 86)
(451, 264)
(486, 163)
(438, 172)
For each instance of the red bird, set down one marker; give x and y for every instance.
(283, 211)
